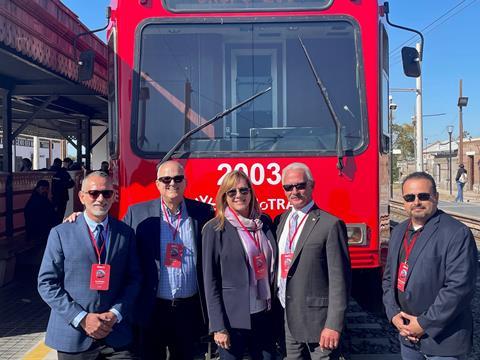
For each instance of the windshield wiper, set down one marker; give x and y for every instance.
(333, 114)
(211, 121)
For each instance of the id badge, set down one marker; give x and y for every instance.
(174, 255)
(402, 276)
(100, 277)
(286, 262)
(260, 266)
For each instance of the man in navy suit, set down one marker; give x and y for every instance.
(430, 277)
(90, 278)
(171, 310)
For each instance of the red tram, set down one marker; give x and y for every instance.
(176, 63)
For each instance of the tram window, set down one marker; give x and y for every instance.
(384, 90)
(192, 72)
(112, 97)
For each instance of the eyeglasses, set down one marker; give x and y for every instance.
(420, 196)
(168, 179)
(107, 194)
(299, 186)
(232, 192)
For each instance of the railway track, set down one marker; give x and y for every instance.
(397, 215)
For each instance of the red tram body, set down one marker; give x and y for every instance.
(177, 63)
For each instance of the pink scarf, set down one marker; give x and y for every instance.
(255, 226)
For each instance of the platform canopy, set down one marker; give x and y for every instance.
(39, 91)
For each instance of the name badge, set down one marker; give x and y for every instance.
(100, 277)
(402, 276)
(174, 255)
(260, 266)
(285, 263)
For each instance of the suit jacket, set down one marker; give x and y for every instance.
(145, 219)
(64, 283)
(440, 283)
(226, 275)
(318, 281)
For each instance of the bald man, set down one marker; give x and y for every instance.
(171, 308)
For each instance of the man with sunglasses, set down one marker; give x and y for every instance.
(90, 277)
(171, 307)
(430, 277)
(313, 277)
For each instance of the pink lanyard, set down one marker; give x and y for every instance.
(173, 229)
(290, 240)
(255, 239)
(94, 243)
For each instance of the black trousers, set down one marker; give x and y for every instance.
(258, 342)
(175, 325)
(98, 351)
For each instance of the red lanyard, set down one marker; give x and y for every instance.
(255, 239)
(94, 243)
(173, 229)
(408, 247)
(290, 240)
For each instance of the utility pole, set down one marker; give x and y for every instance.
(462, 101)
(419, 121)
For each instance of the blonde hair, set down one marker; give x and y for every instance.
(228, 183)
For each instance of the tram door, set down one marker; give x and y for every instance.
(253, 71)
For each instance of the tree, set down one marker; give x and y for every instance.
(404, 139)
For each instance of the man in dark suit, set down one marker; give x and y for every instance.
(171, 307)
(90, 277)
(314, 271)
(430, 277)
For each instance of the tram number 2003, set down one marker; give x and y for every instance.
(257, 173)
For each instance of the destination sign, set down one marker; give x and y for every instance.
(244, 5)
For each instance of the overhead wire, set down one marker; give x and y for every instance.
(395, 55)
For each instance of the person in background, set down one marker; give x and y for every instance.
(239, 259)
(61, 182)
(105, 167)
(67, 163)
(39, 213)
(461, 178)
(430, 277)
(26, 165)
(90, 278)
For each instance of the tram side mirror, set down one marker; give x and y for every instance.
(85, 65)
(411, 62)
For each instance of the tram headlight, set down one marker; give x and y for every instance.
(357, 234)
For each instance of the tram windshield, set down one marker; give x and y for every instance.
(188, 73)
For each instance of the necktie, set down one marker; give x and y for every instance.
(292, 229)
(100, 241)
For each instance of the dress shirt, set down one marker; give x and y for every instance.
(92, 225)
(175, 283)
(284, 238)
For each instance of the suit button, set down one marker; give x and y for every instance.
(288, 296)
(289, 276)
(97, 304)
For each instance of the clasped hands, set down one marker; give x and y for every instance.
(98, 326)
(408, 326)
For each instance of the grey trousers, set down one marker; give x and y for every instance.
(300, 351)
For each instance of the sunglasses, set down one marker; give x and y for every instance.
(168, 179)
(232, 192)
(299, 186)
(107, 194)
(420, 196)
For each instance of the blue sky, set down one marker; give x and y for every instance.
(452, 52)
